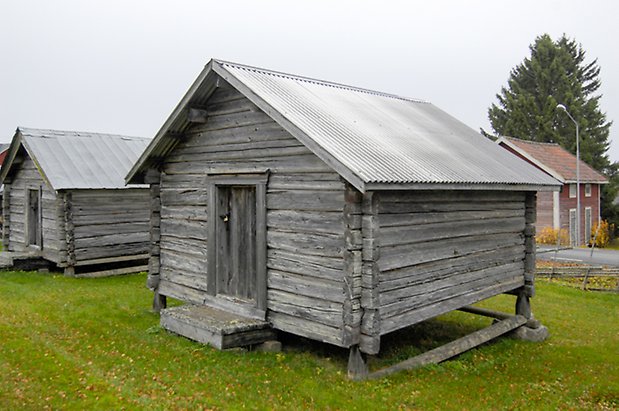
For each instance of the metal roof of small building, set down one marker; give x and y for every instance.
(77, 160)
(374, 140)
(553, 159)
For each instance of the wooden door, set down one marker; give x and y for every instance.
(34, 217)
(236, 242)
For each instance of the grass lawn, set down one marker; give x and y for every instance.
(93, 344)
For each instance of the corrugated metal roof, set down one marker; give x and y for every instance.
(82, 160)
(554, 159)
(376, 138)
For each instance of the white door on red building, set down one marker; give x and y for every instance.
(573, 227)
(588, 224)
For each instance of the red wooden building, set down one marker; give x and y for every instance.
(558, 209)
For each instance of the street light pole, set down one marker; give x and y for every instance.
(563, 108)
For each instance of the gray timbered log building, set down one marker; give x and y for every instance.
(328, 211)
(65, 201)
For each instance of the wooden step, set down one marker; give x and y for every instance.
(215, 327)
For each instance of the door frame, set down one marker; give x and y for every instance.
(34, 222)
(572, 226)
(258, 180)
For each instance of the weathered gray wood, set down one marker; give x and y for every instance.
(402, 256)
(195, 247)
(103, 218)
(307, 286)
(353, 265)
(180, 292)
(303, 200)
(328, 268)
(183, 261)
(261, 245)
(45, 223)
(236, 263)
(320, 244)
(111, 250)
(455, 302)
(357, 367)
(532, 323)
(6, 215)
(308, 221)
(305, 252)
(239, 149)
(394, 208)
(69, 229)
(306, 163)
(197, 115)
(114, 271)
(118, 259)
(370, 297)
(453, 348)
(529, 242)
(109, 229)
(239, 119)
(236, 237)
(523, 305)
(306, 328)
(112, 239)
(306, 181)
(197, 213)
(420, 218)
(193, 229)
(445, 283)
(434, 270)
(450, 196)
(159, 301)
(232, 136)
(215, 327)
(186, 278)
(399, 302)
(311, 309)
(448, 230)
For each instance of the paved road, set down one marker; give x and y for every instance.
(580, 255)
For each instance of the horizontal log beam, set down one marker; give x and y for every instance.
(454, 348)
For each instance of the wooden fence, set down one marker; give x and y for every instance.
(584, 272)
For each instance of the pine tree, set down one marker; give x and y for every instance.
(556, 72)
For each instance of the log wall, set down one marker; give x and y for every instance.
(27, 177)
(108, 224)
(442, 250)
(305, 227)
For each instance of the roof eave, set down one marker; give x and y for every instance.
(462, 186)
(582, 181)
(135, 174)
(18, 141)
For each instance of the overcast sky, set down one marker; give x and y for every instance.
(121, 66)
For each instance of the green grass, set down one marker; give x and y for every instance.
(93, 344)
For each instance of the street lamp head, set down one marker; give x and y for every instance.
(561, 107)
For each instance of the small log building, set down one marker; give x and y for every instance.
(331, 212)
(65, 201)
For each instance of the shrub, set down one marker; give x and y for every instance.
(550, 236)
(604, 231)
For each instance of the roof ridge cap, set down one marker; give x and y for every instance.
(41, 132)
(320, 82)
(542, 143)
